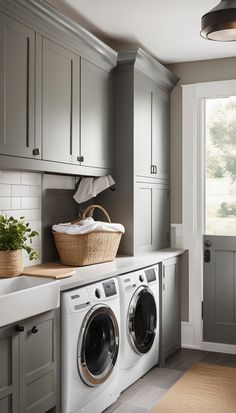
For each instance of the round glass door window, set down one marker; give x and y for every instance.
(98, 345)
(142, 320)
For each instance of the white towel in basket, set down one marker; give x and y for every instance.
(87, 225)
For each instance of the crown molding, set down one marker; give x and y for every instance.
(142, 61)
(45, 19)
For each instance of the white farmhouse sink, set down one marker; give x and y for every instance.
(23, 297)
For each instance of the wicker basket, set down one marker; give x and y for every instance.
(90, 248)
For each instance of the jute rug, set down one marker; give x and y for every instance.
(205, 388)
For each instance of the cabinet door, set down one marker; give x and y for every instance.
(60, 103)
(17, 51)
(143, 229)
(170, 306)
(151, 217)
(9, 370)
(160, 217)
(160, 135)
(37, 364)
(143, 101)
(96, 133)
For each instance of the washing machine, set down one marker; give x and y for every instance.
(90, 347)
(139, 303)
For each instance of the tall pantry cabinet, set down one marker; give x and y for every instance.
(141, 122)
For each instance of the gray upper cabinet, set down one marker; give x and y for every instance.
(160, 133)
(17, 79)
(141, 128)
(55, 93)
(60, 103)
(151, 128)
(96, 133)
(152, 217)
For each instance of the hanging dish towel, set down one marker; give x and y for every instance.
(90, 187)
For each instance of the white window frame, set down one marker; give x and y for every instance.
(193, 193)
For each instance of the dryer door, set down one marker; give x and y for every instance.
(142, 320)
(98, 345)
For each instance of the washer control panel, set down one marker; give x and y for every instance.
(109, 288)
(150, 275)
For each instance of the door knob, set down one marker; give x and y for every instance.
(207, 255)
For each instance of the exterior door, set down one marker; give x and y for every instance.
(219, 241)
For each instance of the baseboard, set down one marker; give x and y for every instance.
(218, 347)
(187, 336)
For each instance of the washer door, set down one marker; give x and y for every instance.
(98, 345)
(142, 320)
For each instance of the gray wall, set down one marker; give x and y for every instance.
(189, 73)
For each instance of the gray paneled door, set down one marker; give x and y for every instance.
(219, 288)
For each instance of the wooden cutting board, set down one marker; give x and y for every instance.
(49, 270)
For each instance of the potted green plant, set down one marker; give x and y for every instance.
(14, 237)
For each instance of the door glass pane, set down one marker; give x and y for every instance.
(99, 344)
(220, 185)
(145, 319)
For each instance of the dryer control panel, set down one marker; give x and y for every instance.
(109, 288)
(150, 274)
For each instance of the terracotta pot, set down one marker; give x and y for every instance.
(11, 263)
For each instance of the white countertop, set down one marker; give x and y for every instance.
(121, 265)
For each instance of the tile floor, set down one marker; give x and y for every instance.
(143, 395)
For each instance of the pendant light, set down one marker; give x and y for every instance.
(219, 24)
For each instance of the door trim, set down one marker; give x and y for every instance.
(193, 198)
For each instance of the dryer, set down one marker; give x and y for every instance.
(90, 347)
(139, 304)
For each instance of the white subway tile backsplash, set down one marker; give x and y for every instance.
(5, 203)
(5, 190)
(35, 190)
(16, 203)
(20, 196)
(35, 215)
(31, 202)
(20, 190)
(17, 213)
(28, 178)
(10, 177)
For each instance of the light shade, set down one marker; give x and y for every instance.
(219, 24)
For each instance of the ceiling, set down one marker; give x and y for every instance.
(168, 30)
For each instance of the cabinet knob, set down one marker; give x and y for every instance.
(19, 328)
(80, 158)
(152, 169)
(34, 330)
(155, 169)
(36, 151)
